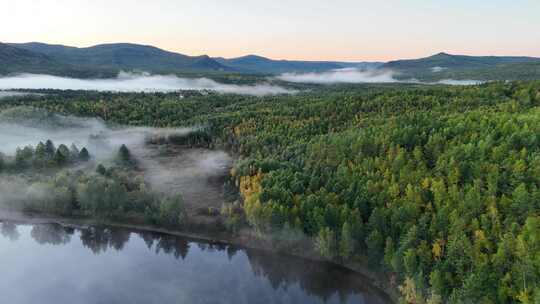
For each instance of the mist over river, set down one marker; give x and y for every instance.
(50, 264)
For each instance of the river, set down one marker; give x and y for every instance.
(51, 263)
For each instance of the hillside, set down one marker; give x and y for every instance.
(446, 66)
(258, 64)
(106, 60)
(14, 60)
(124, 56)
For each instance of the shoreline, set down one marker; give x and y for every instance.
(246, 238)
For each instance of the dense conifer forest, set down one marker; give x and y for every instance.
(437, 186)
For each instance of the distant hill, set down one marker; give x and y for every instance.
(124, 56)
(14, 59)
(258, 64)
(443, 65)
(108, 59)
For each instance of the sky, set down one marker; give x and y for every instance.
(348, 30)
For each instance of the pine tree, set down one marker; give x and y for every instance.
(100, 169)
(50, 149)
(74, 152)
(84, 155)
(59, 157)
(346, 242)
(124, 156)
(326, 243)
(63, 149)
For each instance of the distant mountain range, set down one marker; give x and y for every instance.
(258, 64)
(106, 60)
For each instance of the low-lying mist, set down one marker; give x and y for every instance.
(355, 75)
(130, 82)
(22, 126)
(348, 75)
(168, 168)
(4, 94)
(460, 82)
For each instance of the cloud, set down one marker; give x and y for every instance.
(129, 82)
(348, 75)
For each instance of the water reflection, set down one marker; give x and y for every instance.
(180, 271)
(9, 230)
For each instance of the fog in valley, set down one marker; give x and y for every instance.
(132, 82)
(348, 75)
(4, 94)
(355, 75)
(167, 168)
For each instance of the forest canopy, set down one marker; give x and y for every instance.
(436, 185)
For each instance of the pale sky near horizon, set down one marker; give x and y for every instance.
(352, 30)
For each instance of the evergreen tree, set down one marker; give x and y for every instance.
(100, 169)
(326, 243)
(50, 149)
(74, 152)
(171, 211)
(64, 151)
(346, 242)
(41, 151)
(84, 155)
(60, 158)
(124, 156)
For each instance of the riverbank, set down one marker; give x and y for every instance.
(246, 238)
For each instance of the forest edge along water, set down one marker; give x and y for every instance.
(276, 278)
(166, 162)
(393, 175)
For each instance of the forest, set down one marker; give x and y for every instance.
(437, 186)
(36, 179)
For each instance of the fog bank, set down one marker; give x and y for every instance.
(129, 82)
(460, 82)
(168, 168)
(28, 126)
(4, 94)
(354, 75)
(348, 75)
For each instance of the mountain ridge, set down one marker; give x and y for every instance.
(106, 60)
(124, 56)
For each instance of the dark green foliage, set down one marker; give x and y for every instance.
(49, 148)
(124, 157)
(446, 66)
(171, 211)
(61, 156)
(101, 170)
(23, 157)
(439, 185)
(98, 61)
(41, 158)
(84, 155)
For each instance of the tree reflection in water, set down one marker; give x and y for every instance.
(9, 231)
(316, 278)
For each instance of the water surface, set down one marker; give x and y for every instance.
(51, 264)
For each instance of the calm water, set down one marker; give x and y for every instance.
(55, 264)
